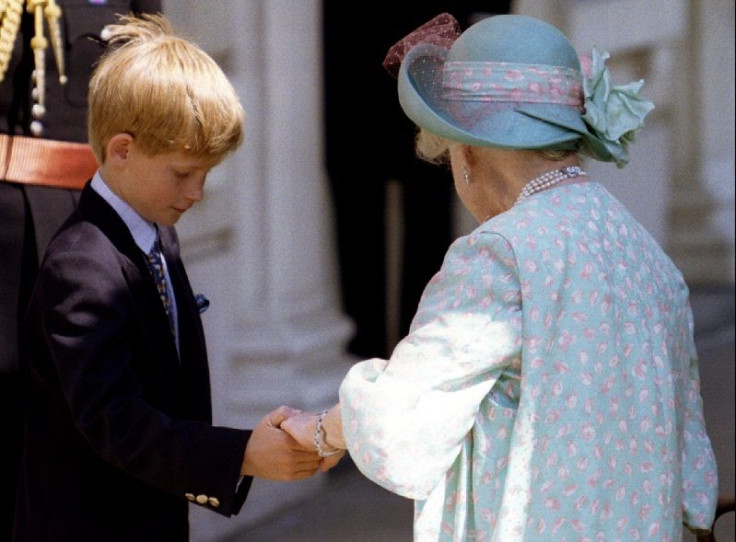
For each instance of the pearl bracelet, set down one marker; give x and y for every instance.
(318, 437)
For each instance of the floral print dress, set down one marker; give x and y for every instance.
(548, 388)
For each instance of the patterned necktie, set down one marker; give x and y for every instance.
(156, 266)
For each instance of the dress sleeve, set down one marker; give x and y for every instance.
(699, 469)
(405, 419)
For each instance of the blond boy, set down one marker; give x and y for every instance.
(119, 437)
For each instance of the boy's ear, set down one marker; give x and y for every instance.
(118, 148)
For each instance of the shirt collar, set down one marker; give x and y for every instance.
(144, 232)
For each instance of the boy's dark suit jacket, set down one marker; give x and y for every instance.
(118, 438)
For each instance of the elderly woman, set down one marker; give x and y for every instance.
(548, 388)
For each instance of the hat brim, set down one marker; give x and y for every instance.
(502, 125)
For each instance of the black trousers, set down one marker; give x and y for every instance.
(30, 216)
(11, 420)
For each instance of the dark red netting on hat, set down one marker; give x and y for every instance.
(443, 30)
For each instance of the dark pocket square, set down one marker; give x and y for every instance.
(202, 303)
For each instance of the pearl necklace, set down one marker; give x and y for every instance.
(545, 180)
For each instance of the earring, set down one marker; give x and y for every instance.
(466, 175)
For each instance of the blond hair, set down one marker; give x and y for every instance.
(164, 91)
(432, 147)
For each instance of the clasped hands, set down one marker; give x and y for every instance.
(282, 447)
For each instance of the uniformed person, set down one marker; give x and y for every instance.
(47, 52)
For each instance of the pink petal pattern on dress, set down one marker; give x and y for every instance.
(548, 389)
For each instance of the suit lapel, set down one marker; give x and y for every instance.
(191, 367)
(94, 209)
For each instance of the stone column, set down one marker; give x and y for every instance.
(702, 212)
(261, 244)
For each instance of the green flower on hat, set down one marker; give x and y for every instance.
(612, 113)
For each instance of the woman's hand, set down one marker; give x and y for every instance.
(332, 424)
(302, 427)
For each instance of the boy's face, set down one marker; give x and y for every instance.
(161, 188)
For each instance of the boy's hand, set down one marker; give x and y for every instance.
(273, 454)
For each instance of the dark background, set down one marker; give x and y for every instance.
(370, 141)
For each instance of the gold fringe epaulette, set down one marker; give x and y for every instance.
(10, 15)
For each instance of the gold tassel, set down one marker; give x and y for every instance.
(53, 15)
(39, 44)
(51, 10)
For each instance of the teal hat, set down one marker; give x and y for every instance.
(515, 82)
